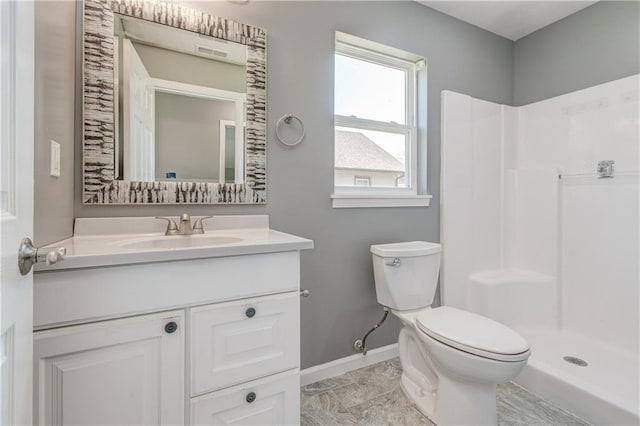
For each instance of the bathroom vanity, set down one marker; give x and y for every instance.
(143, 328)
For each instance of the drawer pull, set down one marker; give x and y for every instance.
(250, 312)
(170, 327)
(251, 396)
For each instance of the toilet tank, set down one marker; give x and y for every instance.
(406, 274)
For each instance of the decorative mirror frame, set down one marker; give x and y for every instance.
(98, 177)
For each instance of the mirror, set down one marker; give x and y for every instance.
(164, 90)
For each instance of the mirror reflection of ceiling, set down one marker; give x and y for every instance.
(177, 55)
(183, 41)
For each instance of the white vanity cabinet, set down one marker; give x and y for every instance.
(121, 372)
(237, 341)
(209, 340)
(275, 401)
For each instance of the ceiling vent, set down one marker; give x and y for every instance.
(208, 51)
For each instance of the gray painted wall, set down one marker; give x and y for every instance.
(338, 271)
(54, 114)
(188, 135)
(595, 45)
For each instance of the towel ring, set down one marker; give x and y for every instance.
(287, 120)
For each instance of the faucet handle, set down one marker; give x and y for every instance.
(198, 227)
(172, 228)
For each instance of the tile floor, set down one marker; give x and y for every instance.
(372, 396)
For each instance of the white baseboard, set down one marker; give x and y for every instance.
(346, 364)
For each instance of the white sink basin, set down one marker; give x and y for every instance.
(179, 241)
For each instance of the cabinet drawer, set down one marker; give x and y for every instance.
(234, 342)
(275, 401)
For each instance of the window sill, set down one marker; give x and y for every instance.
(341, 201)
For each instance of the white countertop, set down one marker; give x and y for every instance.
(101, 242)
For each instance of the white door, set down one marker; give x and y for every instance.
(121, 372)
(16, 208)
(138, 97)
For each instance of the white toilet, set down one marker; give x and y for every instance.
(451, 359)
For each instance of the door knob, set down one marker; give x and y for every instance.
(28, 255)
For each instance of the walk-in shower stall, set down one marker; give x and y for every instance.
(539, 227)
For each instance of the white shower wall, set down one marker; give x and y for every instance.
(598, 243)
(491, 253)
(533, 239)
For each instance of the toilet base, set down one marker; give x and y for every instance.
(448, 386)
(465, 403)
(423, 400)
(454, 403)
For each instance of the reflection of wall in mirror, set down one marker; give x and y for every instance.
(174, 66)
(187, 135)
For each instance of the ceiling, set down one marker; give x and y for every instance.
(511, 19)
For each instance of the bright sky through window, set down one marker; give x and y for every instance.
(369, 91)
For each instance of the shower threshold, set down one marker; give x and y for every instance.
(605, 391)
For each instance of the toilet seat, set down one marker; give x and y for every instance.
(473, 333)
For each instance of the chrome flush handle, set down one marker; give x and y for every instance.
(28, 255)
(395, 262)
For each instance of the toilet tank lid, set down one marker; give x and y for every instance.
(408, 249)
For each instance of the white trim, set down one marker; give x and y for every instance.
(239, 152)
(7, 109)
(361, 49)
(346, 364)
(363, 43)
(375, 125)
(354, 201)
(185, 89)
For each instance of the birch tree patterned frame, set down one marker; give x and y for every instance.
(99, 183)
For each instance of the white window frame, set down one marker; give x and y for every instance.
(366, 179)
(357, 196)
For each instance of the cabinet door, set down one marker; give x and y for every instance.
(233, 342)
(121, 372)
(274, 400)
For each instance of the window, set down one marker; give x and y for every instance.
(362, 180)
(376, 134)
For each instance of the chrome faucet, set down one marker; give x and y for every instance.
(185, 227)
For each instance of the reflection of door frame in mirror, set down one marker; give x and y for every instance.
(99, 183)
(239, 151)
(138, 117)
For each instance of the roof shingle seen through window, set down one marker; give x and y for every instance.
(356, 151)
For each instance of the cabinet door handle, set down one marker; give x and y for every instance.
(170, 327)
(251, 396)
(250, 312)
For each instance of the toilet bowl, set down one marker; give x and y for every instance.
(451, 359)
